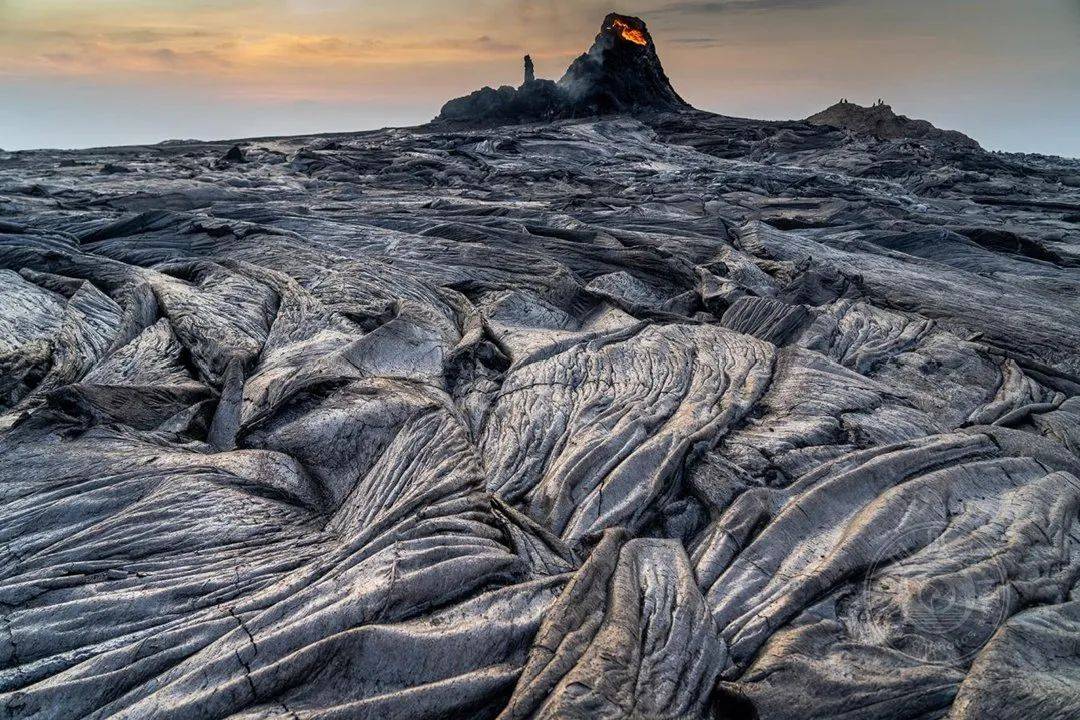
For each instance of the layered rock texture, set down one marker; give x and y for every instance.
(661, 416)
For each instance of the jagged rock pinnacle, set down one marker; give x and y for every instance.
(530, 70)
(620, 73)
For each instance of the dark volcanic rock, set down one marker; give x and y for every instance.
(621, 72)
(663, 415)
(234, 155)
(530, 70)
(535, 100)
(114, 169)
(880, 121)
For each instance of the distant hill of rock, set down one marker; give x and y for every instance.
(880, 121)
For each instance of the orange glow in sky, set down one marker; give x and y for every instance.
(85, 72)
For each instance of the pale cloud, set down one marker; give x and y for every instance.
(697, 41)
(60, 58)
(150, 50)
(148, 35)
(727, 6)
(249, 40)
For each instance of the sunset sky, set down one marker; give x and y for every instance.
(76, 73)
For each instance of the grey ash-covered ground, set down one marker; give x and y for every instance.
(652, 415)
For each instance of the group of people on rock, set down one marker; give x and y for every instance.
(879, 103)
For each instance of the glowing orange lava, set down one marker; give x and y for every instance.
(629, 33)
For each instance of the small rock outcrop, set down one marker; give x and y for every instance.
(234, 155)
(880, 121)
(536, 100)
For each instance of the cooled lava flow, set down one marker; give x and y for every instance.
(616, 409)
